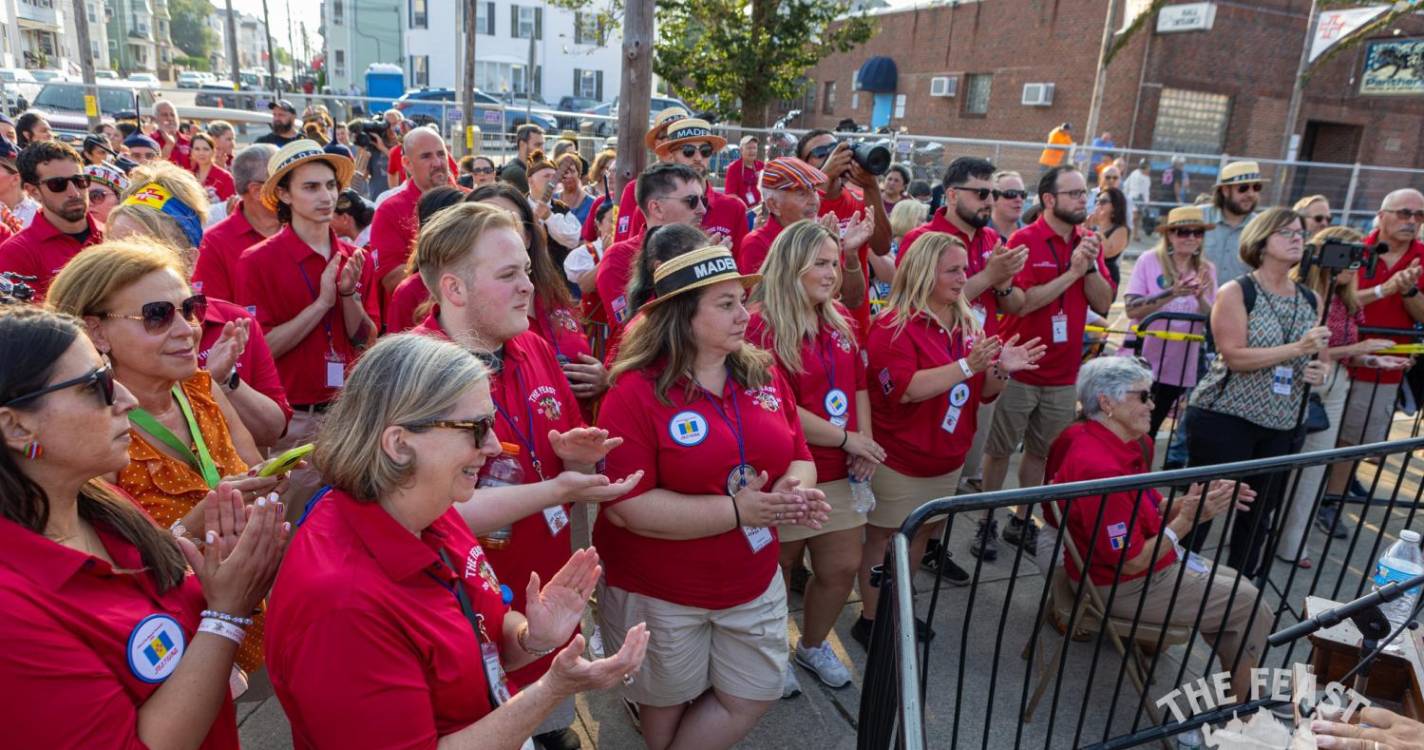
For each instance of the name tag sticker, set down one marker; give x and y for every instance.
(557, 518)
(758, 537)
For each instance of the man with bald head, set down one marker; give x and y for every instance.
(393, 228)
(172, 144)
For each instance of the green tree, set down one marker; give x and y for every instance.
(189, 26)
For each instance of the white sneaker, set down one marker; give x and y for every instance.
(790, 687)
(823, 663)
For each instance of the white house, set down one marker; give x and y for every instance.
(358, 34)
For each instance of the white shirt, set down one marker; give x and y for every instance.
(1137, 187)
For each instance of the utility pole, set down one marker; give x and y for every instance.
(232, 49)
(271, 52)
(1100, 80)
(467, 83)
(292, 42)
(634, 90)
(86, 65)
(1293, 109)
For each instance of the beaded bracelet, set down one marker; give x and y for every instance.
(242, 622)
(222, 628)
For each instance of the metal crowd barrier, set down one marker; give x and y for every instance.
(994, 634)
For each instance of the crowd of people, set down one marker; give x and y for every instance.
(331, 421)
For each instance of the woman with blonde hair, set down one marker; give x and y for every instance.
(905, 216)
(602, 165)
(185, 435)
(797, 318)
(932, 367)
(693, 546)
(1315, 209)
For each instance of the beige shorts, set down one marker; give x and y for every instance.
(1234, 619)
(740, 650)
(1032, 414)
(843, 516)
(1369, 412)
(898, 495)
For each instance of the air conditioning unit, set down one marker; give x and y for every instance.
(1038, 94)
(944, 86)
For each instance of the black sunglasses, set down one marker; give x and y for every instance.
(1254, 187)
(479, 428)
(1144, 396)
(689, 151)
(1189, 232)
(103, 377)
(690, 201)
(157, 316)
(1012, 195)
(983, 193)
(482, 170)
(821, 152)
(59, 184)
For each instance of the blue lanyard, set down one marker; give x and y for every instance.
(525, 439)
(325, 319)
(715, 402)
(827, 361)
(477, 620)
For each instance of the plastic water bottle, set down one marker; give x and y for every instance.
(1190, 740)
(1402, 561)
(501, 471)
(862, 499)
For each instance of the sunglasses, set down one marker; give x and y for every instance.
(101, 377)
(1321, 219)
(479, 428)
(983, 193)
(1013, 195)
(1405, 214)
(100, 194)
(690, 201)
(821, 152)
(158, 316)
(482, 170)
(59, 184)
(1189, 232)
(1254, 187)
(689, 151)
(1292, 234)
(1144, 396)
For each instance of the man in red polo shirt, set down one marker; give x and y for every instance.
(305, 287)
(472, 258)
(394, 226)
(1063, 276)
(668, 194)
(630, 218)
(692, 143)
(53, 174)
(172, 144)
(250, 222)
(788, 188)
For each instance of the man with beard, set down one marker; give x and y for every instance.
(1238, 188)
(1063, 276)
(692, 143)
(284, 124)
(395, 224)
(53, 175)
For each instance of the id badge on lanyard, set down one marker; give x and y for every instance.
(1060, 328)
(335, 369)
(1282, 379)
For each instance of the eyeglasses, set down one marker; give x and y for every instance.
(157, 316)
(1253, 187)
(690, 201)
(689, 151)
(1292, 234)
(821, 152)
(1405, 214)
(1076, 195)
(59, 184)
(1144, 396)
(1013, 195)
(983, 193)
(479, 428)
(1321, 219)
(101, 377)
(99, 194)
(482, 170)
(1189, 232)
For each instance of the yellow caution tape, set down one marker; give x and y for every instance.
(1406, 349)
(1151, 333)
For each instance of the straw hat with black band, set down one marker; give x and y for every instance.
(690, 130)
(695, 270)
(1240, 172)
(294, 155)
(661, 121)
(1184, 217)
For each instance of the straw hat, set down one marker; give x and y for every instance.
(660, 122)
(294, 155)
(1238, 172)
(1184, 217)
(695, 270)
(690, 130)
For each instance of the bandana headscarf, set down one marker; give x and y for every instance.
(157, 197)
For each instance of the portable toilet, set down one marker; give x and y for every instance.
(385, 83)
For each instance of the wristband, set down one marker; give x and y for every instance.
(736, 512)
(1171, 535)
(1379, 291)
(964, 366)
(845, 438)
(241, 622)
(224, 629)
(1005, 292)
(352, 294)
(1413, 290)
(523, 638)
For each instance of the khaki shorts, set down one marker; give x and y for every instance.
(740, 650)
(898, 495)
(1226, 615)
(843, 517)
(1369, 412)
(1033, 414)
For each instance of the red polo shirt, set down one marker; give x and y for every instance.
(844, 207)
(828, 361)
(986, 306)
(182, 151)
(925, 438)
(1048, 258)
(93, 642)
(281, 277)
(690, 448)
(366, 643)
(757, 245)
(40, 250)
(590, 222)
(1389, 312)
(220, 180)
(403, 306)
(726, 214)
(254, 365)
(1087, 450)
(611, 279)
(216, 272)
(393, 230)
(630, 217)
(561, 329)
(742, 181)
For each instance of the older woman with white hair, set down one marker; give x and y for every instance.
(1132, 543)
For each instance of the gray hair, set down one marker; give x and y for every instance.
(1108, 376)
(160, 104)
(250, 165)
(404, 379)
(219, 128)
(1394, 196)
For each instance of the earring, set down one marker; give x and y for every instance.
(33, 450)
(1110, 415)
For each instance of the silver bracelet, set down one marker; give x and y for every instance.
(225, 629)
(241, 622)
(523, 635)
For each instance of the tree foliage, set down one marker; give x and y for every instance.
(189, 29)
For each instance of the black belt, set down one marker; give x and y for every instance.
(312, 408)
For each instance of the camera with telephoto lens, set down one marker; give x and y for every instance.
(365, 132)
(872, 157)
(14, 290)
(1337, 255)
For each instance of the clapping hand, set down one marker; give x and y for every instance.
(1015, 357)
(554, 609)
(582, 446)
(770, 508)
(242, 550)
(814, 500)
(587, 377)
(224, 353)
(578, 487)
(350, 277)
(857, 231)
(983, 352)
(1405, 279)
(1004, 264)
(571, 674)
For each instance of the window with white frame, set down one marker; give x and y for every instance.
(588, 83)
(419, 17)
(484, 18)
(338, 61)
(420, 70)
(588, 28)
(526, 22)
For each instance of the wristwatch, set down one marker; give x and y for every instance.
(1413, 290)
(233, 380)
(1004, 292)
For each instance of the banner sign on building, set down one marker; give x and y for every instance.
(1393, 67)
(1187, 17)
(1335, 25)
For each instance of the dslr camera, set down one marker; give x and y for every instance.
(1336, 256)
(365, 132)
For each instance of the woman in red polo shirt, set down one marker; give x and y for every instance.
(213, 177)
(932, 366)
(108, 640)
(797, 319)
(387, 625)
(694, 545)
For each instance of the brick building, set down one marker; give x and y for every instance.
(1221, 90)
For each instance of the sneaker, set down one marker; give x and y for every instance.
(930, 560)
(860, 631)
(986, 542)
(1327, 519)
(944, 567)
(790, 687)
(559, 739)
(1358, 490)
(822, 662)
(1021, 533)
(799, 576)
(595, 643)
(969, 486)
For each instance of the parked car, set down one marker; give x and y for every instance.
(106, 75)
(62, 103)
(45, 75)
(190, 79)
(221, 94)
(422, 107)
(19, 87)
(573, 105)
(146, 80)
(608, 127)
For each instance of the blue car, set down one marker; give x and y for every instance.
(425, 106)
